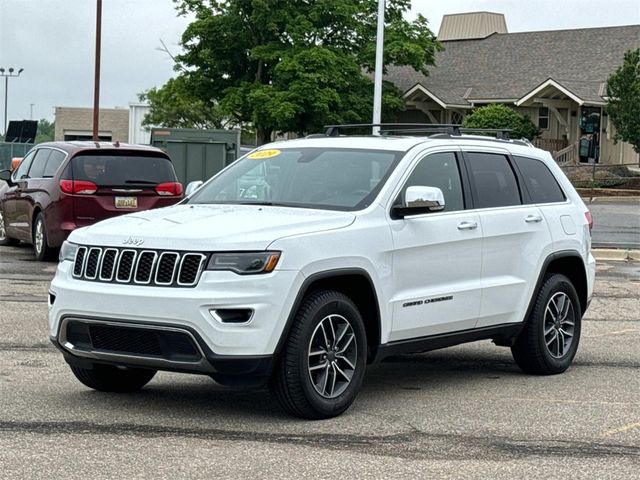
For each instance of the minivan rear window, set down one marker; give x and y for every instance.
(122, 169)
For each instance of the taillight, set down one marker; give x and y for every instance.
(78, 187)
(589, 218)
(169, 188)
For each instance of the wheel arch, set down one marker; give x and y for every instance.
(570, 264)
(356, 283)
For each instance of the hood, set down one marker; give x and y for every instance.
(209, 227)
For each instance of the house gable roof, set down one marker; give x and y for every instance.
(506, 67)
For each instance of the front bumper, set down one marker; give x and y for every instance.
(270, 296)
(227, 369)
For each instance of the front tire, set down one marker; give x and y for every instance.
(550, 338)
(107, 378)
(41, 247)
(323, 363)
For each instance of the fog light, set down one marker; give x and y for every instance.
(232, 315)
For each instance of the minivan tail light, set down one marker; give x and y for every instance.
(589, 218)
(78, 187)
(169, 188)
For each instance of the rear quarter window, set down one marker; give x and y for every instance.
(119, 169)
(540, 182)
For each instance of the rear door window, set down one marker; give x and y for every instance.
(39, 162)
(494, 180)
(117, 170)
(540, 182)
(53, 163)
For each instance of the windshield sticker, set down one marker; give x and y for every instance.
(262, 154)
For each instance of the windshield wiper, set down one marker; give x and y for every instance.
(145, 182)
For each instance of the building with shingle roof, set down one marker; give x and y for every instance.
(557, 78)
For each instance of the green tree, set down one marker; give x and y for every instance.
(623, 106)
(46, 131)
(287, 65)
(501, 116)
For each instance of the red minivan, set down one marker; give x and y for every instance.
(61, 186)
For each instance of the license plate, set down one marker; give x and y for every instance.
(126, 202)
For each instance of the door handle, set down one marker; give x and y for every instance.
(533, 219)
(467, 226)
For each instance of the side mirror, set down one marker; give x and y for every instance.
(419, 200)
(192, 187)
(6, 176)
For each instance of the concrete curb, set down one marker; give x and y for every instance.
(587, 199)
(616, 255)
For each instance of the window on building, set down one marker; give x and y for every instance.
(543, 118)
(439, 170)
(540, 182)
(457, 118)
(495, 182)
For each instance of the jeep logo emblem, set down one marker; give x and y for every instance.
(136, 242)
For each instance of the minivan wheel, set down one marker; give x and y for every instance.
(550, 338)
(321, 368)
(107, 378)
(41, 246)
(4, 240)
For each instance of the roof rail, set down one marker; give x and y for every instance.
(418, 128)
(334, 130)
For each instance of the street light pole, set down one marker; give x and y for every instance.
(6, 74)
(96, 83)
(377, 76)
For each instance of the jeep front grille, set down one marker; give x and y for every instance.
(139, 267)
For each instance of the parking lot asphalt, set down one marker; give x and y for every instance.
(616, 222)
(463, 412)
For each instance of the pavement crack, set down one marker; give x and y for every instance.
(415, 444)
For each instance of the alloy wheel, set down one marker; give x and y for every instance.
(3, 231)
(39, 236)
(332, 356)
(559, 324)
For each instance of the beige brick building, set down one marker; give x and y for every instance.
(74, 123)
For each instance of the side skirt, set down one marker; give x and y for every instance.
(502, 335)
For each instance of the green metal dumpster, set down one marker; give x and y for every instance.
(197, 154)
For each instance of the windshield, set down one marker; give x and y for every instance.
(336, 179)
(108, 170)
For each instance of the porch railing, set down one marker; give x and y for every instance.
(567, 156)
(551, 144)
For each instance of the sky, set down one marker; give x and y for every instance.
(53, 40)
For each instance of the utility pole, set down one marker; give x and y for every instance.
(96, 82)
(6, 74)
(377, 77)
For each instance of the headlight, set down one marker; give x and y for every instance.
(68, 251)
(244, 262)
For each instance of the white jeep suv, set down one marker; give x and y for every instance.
(306, 260)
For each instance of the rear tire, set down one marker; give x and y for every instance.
(106, 378)
(41, 248)
(322, 366)
(550, 338)
(4, 240)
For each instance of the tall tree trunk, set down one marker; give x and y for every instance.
(264, 136)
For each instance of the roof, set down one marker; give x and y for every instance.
(508, 66)
(399, 143)
(77, 146)
(459, 26)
